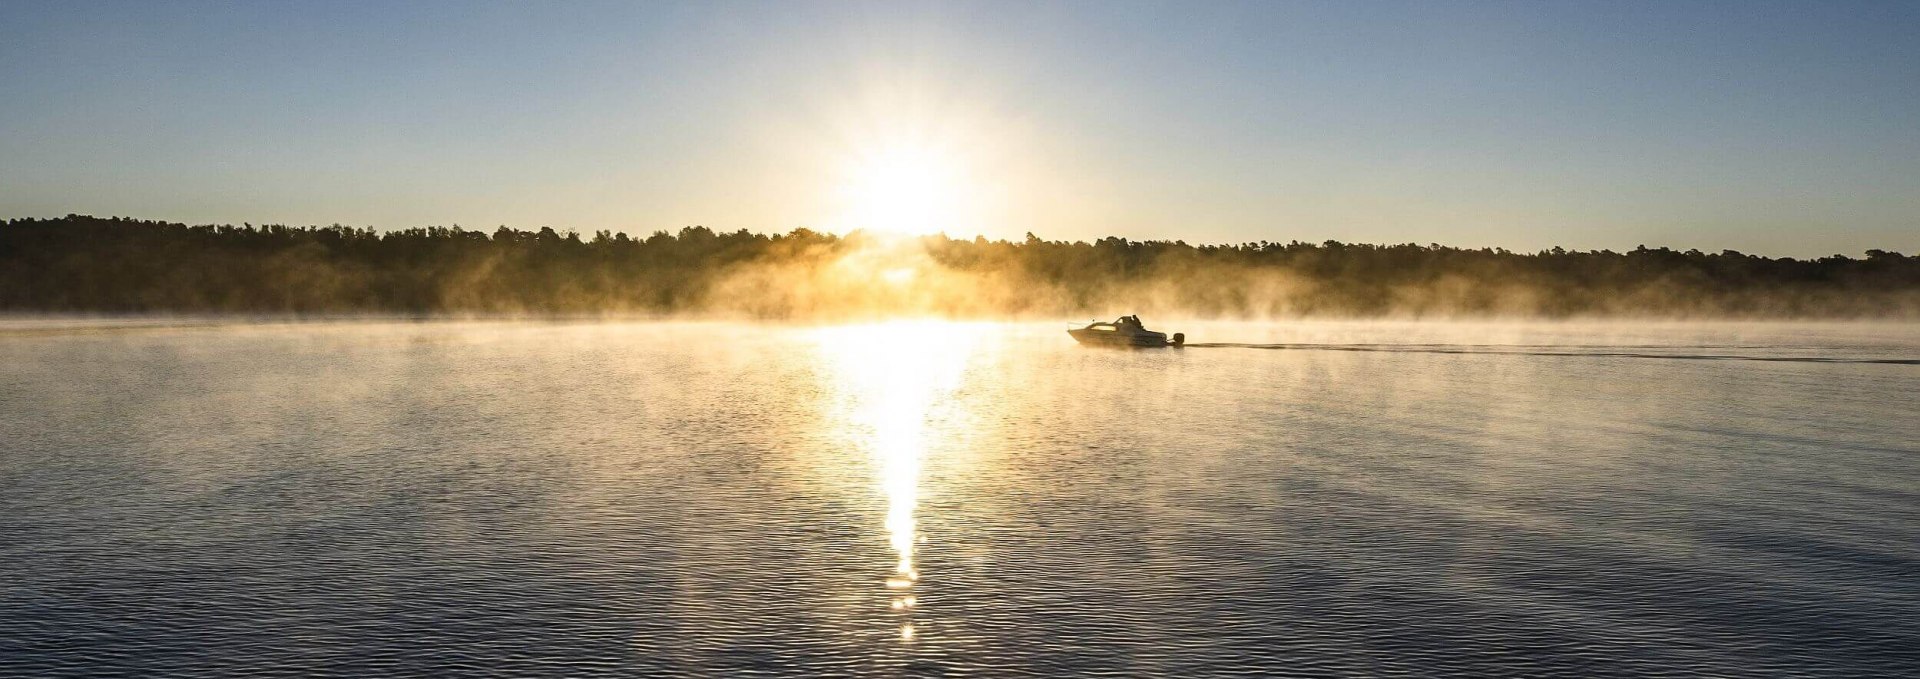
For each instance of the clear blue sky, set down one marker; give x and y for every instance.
(1775, 128)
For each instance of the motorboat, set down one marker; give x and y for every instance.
(1125, 331)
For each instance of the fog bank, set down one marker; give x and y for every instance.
(83, 264)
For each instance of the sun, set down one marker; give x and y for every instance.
(909, 189)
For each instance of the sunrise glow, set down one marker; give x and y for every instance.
(911, 188)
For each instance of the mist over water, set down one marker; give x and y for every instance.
(205, 497)
(80, 264)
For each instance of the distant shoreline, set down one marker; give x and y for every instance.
(79, 265)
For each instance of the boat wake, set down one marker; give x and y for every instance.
(1575, 351)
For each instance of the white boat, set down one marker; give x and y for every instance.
(1126, 331)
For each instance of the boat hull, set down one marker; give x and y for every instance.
(1108, 338)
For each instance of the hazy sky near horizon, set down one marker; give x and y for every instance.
(1767, 127)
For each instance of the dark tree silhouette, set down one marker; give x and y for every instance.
(87, 264)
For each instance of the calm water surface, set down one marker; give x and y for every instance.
(366, 498)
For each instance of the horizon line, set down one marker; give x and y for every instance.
(861, 232)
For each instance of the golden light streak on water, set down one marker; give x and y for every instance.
(893, 375)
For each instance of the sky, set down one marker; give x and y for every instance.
(1785, 129)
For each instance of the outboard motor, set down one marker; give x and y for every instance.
(1179, 339)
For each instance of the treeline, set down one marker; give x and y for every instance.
(95, 265)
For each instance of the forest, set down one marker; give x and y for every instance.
(82, 264)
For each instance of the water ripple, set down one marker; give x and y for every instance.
(497, 499)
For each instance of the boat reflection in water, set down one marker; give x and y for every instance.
(893, 378)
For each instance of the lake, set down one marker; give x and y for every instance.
(357, 498)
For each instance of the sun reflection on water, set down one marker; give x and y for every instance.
(894, 377)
